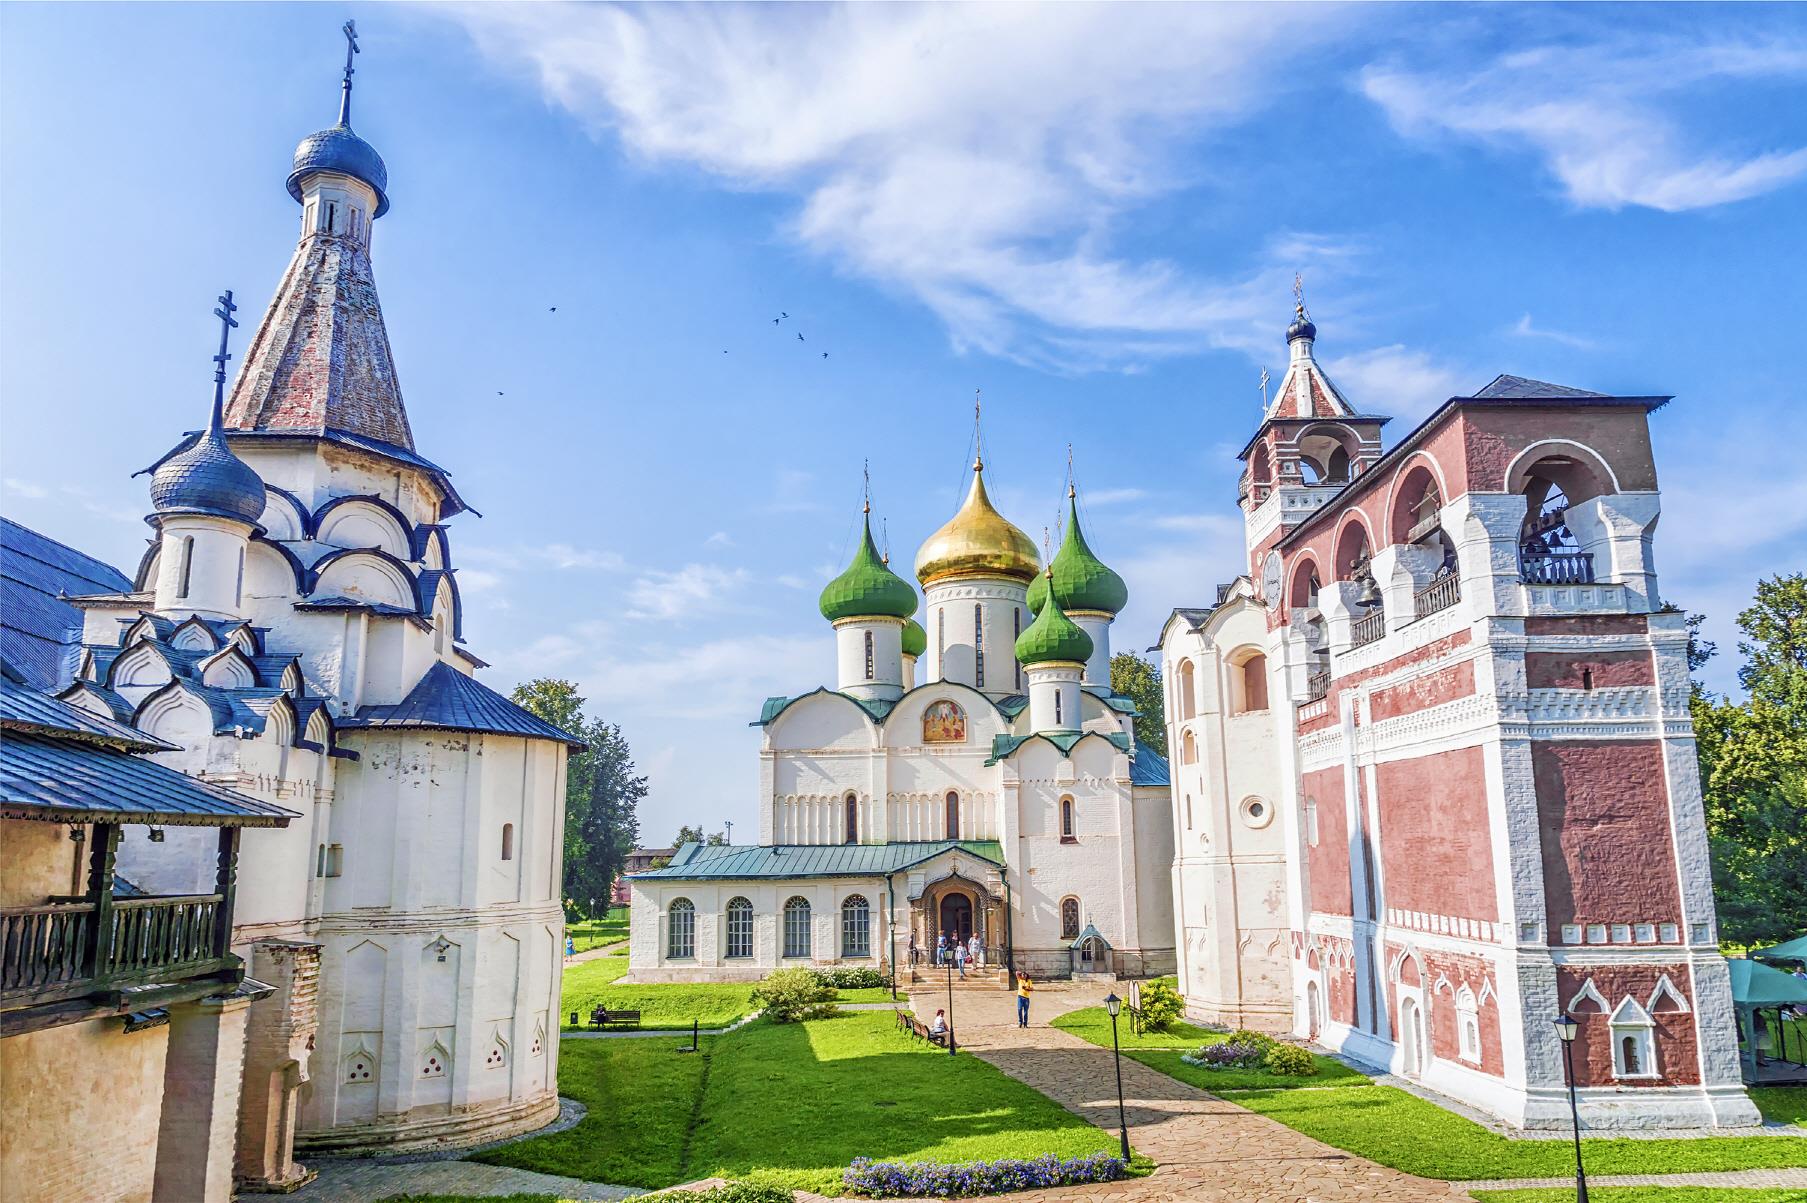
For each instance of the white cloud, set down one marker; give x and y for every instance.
(694, 589)
(25, 488)
(720, 538)
(975, 157)
(556, 555)
(1397, 381)
(1606, 118)
(1093, 497)
(1524, 329)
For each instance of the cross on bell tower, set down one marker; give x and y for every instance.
(224, 312)
(350, 29)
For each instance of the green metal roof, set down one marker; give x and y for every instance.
(915, 639)
(1005, 746)
(1010, 705)
(1081, 581)
(720, 862)
(1053, 638)
(868, 589)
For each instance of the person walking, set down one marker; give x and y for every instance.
(941, 949)
(913, 952)
(975, 951)
(960, 959)
(1024, 987)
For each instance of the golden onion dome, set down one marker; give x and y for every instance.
(977, 541)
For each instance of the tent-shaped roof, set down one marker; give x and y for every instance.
(1090, 933)
(445, 699)
(1755, 984)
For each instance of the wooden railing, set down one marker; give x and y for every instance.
(1556, 568)
(64, 950)
(1368, 628)
(1317, 684)
(1440, 594)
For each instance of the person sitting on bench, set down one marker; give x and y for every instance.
(938, 1028)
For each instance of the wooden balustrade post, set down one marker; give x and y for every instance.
(226, 886)
(103, 851)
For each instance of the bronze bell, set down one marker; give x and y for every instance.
(1370, 593)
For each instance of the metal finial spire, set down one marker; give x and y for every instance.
(978, 447)
(884, 534)
(1072, 489)
(866, 471)
(1299, 293)
(227, 322)
(350, 30)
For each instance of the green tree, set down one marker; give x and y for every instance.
(687, 835)
(602, 791)
(1753, 771)
(1140, 681)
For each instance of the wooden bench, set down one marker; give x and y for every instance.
(602, 1017)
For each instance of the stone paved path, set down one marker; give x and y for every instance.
(1208, 1151)
(1746, 1179)
(357, 1180)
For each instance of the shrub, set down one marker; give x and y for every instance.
(1290, 1060)
(893, 1179)
(789, 995)
(731, 1192)
(1230, 1054)
(1161, 1005)
(852, 978)
(1260, 1040)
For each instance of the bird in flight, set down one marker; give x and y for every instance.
(555, 309)
(775, 321)
(800, 336)
(498, 392)
(825, 355)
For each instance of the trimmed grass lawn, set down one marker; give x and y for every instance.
(1161, 1051)
(1647, 1194)
(790, 1104)
(1388, 1125)
(1781, 1104)
(668, 1004)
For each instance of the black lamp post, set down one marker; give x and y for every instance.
(1565, 1031)
(1113, 1004)
(950, 1006)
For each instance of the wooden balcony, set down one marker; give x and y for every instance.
(1440, 594)
(1556, 568)
(70, 959)
(1369, 628)
(1317, 684)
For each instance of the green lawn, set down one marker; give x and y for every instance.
(668, 1004)
(1781, 1104)
(1647, 1194)
(1392, 1127)
(1161, 1051)
(791, 1104)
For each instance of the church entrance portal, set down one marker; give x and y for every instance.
(956, 916)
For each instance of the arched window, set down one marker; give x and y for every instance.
(1069, 918)
(186, 564)
(508, 841)
(953, 815)
(680, 937)
(1016, 632)
(1468, 1026)
(796, 927)
(1188, 693)
(852, 807)
(1068, 832)
(1188, 749)
(1249, 684)
(941, 644)
(978, 645)
(868, 655)
(740, 928)
(856, 927)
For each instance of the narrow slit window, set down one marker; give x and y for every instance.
(868, 655)
(953, 815)
(332, 218)
(978, 645)
(186, 564)
(853, 819)
(1068, 835)
(508, 841)
(1016, 633)
(1057, 718)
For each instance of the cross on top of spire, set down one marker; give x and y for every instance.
(866, 472)
(224, 312)
(350, 29)
(978, 447)
(1299, 293)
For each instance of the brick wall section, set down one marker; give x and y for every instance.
(1602, 809)
(320, 358)
(1589, 624)
(1566, 670)
(1420, 693)
(1620, 434)
(1328, 861)
(1436, 842)
(1677, 1043)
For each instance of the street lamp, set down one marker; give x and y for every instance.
(1565, 1031)
(1113, 1004)
(950, 1005)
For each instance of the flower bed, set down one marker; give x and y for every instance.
(916, 1179)
(1253, 1050)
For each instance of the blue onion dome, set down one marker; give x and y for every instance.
(206, 478)
(338, 149)
(1053, 638)
(1079, 579)
(868, 589)
(915, 639)
(1302, 326)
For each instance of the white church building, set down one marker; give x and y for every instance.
(295, 629)
(1005, 797)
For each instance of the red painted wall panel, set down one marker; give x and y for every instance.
(1603, 810)
(1328, 860)
(1432, 689)
(1564, 670)
(1436, 842)
(1677, 1042)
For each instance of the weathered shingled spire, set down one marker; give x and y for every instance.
(320, 358)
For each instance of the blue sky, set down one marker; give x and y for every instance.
(1092, 213)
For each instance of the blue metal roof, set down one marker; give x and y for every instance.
(703, 862)
(39, 634)
(24, 709)
(69, 780)
(336, 148)
(206, 478)
(1148, 767)
(446, 699)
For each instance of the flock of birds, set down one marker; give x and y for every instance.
(781, 318)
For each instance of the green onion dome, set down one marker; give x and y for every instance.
(1053, 637)
(1080, 579)
(915, 639)
(868, 589)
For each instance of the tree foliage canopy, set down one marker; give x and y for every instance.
(1753, 771)
(601, 792)
(1136, 678)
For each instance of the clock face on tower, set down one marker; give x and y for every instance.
(1270, 580)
